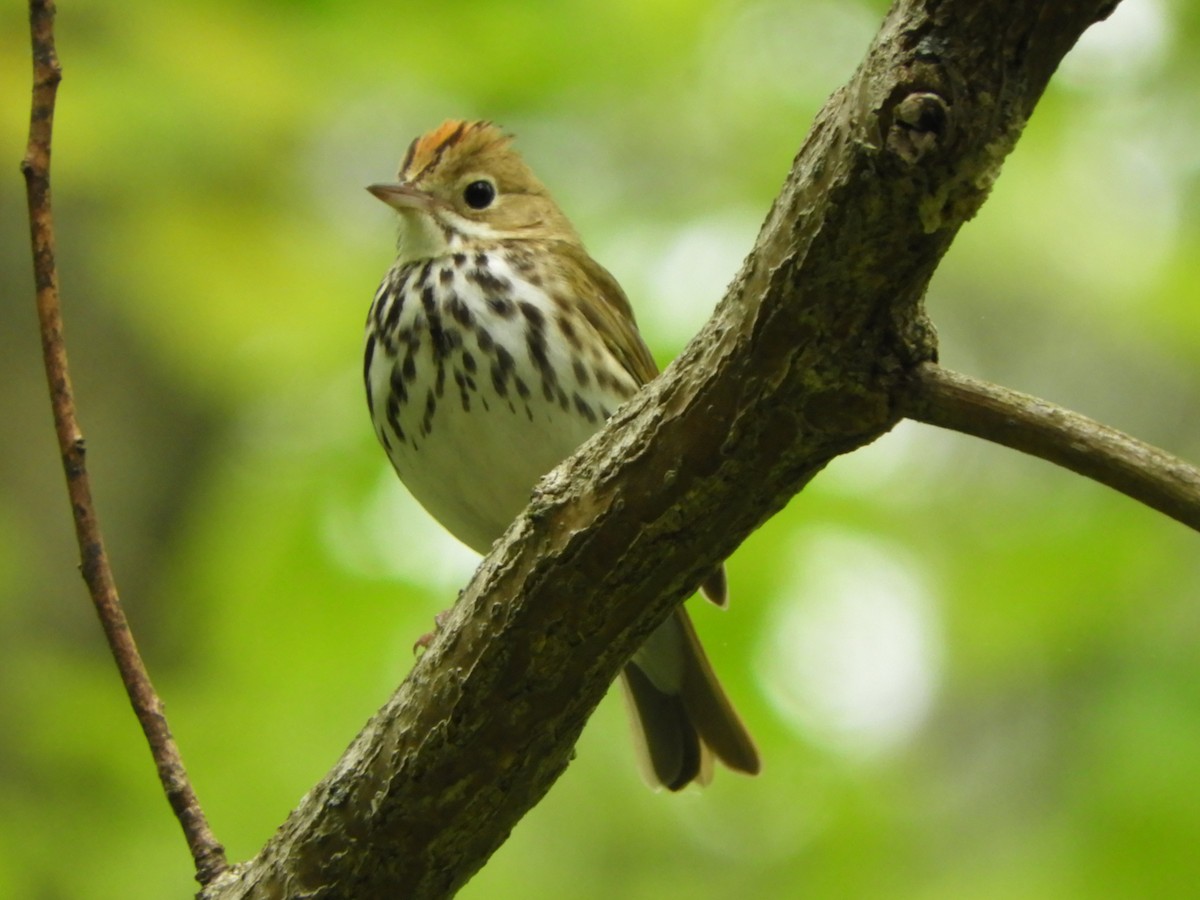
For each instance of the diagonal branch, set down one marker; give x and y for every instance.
(207, 853)
(807, 357)
(1008, 417)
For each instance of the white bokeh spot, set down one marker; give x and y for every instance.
(852, 657)
(1124, 47)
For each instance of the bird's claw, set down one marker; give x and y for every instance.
(425, 640)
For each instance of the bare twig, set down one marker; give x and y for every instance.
(1145, 473)
(208, 854)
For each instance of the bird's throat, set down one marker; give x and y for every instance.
(420, 237)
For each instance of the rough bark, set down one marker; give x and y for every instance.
(806, 358)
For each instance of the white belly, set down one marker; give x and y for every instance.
(477, 393)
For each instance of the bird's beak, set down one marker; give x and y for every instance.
(401, 196)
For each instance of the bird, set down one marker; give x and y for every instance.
(495, 346)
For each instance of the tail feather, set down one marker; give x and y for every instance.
(669, 750)
(710, 710)
(681, 715)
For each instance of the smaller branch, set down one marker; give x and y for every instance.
(207, 852)
(940, 397)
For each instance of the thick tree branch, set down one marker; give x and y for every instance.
(206, 851)
(807, 357)
(1037, 427)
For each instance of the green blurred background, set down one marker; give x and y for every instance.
(972, 675)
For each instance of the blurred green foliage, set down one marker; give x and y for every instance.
(972, 675)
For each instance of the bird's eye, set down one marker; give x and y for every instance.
(479, 194)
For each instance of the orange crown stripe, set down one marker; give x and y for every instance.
(428, 149)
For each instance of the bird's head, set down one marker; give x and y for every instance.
(462, 185)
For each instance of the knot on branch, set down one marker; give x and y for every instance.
(920, 123)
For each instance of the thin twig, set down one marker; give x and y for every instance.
(208, 854)
(1145, 473)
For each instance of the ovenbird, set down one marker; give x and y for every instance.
(495, 346)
